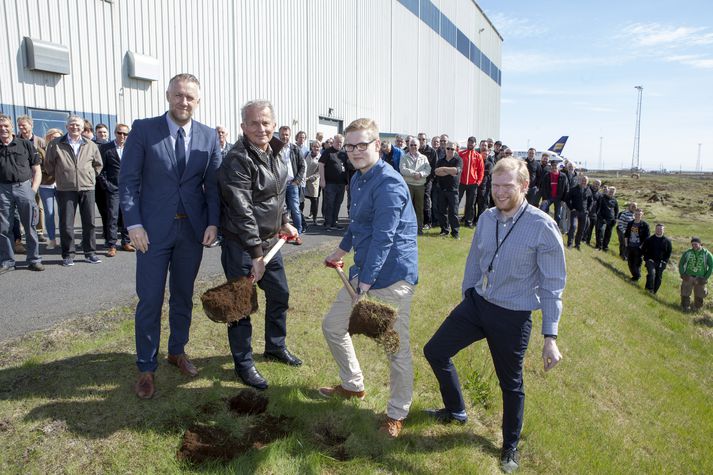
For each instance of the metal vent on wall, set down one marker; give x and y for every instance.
(141, 66)
(47, 56)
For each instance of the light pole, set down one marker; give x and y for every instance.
(637, 130)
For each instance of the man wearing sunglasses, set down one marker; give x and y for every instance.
(107, 192)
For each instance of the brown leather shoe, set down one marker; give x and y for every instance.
(19, 248)
(184, 364)
(111, 252)
(391, 427)
(339, 391)
(128, 248)
(144, 387)
(297, 241)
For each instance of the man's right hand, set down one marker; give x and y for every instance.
(258, 269)
(139, 238)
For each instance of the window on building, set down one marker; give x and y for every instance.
(43, 120)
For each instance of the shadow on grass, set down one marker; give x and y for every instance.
(627, 278)
(704, 321)
(92, 395)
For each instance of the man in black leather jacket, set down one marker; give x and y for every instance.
(252, 181)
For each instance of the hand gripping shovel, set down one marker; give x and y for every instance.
(236, 299)
(373, 319)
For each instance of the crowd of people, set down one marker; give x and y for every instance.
(168, 186)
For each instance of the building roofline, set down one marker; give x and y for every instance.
(488, 20)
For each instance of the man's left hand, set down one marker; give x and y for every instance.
(210, 235)
(289, 230)
(550, 354)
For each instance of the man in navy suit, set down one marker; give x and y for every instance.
(107, 192)
(170, 202)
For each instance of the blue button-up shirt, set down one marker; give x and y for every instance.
(528, 271)
(382, 228)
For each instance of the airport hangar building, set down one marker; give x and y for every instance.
(412, 65)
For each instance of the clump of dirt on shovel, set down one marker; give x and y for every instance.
(231, 301)
(248, 402)
(375, 320)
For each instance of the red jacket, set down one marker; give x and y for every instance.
(473, 167)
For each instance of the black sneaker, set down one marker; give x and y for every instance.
(443, 233)
(36, 266)
(444, 416)
(509, 460)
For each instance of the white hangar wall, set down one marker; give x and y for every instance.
(413, 65)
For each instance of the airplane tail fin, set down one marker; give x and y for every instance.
(558, 146)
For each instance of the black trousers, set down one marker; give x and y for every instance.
(68, 202)
(603, 232)
(634, 258)
(507, 333)
(112, 218)
(428, 205)
(579, 217)
(654, 273)
(471, 193)
(533, 196)
(237, 263)
(591, 224)
(483, 199)
(448, 212)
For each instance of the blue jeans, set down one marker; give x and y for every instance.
(47, 196)
(237, 263)
(545, 206)
(18, 197)
(292, 198)
(507, 333)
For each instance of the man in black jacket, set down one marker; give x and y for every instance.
(592, 211)
(107, 192)
(535, 171)
(656, 251)
(554, 186)
(607, 211)
(251, 181)
(295, 164)
(637, 231)
(579, 200)
(333, 179)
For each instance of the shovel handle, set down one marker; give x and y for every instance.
(347, 285)
(276, 247)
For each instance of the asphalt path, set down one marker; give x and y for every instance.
(31, 301)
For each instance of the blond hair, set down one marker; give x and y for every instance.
(364, 124)
(509, 164)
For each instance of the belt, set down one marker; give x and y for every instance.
(180, 216)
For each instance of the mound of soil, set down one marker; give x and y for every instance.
(248, 402)
(231, 301)
(375, 320)
(202, 443)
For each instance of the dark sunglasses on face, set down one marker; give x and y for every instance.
(122, 133)
(449, 148)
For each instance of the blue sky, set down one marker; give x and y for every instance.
(570, 68)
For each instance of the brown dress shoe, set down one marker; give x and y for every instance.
(111, 252)
(19, 248)
(128, 248)
(297, 241)
(391, 427)
(339, 391)
(184, 364)
(144, 387)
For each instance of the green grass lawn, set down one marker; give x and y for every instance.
(633, 394)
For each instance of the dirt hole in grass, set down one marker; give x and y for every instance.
(202, 443)
(5, 425)
(248, 402)
(333, 439)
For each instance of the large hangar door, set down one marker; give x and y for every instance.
(330, 127)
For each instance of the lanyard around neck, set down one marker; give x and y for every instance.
(497, 236)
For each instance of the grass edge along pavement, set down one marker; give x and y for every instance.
(631, 395)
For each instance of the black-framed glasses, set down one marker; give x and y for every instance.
(361, 146)
(450, 148)
(122, 133)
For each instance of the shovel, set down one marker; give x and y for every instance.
(236, 299)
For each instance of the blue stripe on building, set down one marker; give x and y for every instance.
(428, 13)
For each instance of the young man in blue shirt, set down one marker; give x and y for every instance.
(382, 232)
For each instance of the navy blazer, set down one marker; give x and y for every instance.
(108, 179)
(149, 184)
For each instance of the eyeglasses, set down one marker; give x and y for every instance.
(413, 145)
(122, 133)
(449, 148)
(361, 146)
